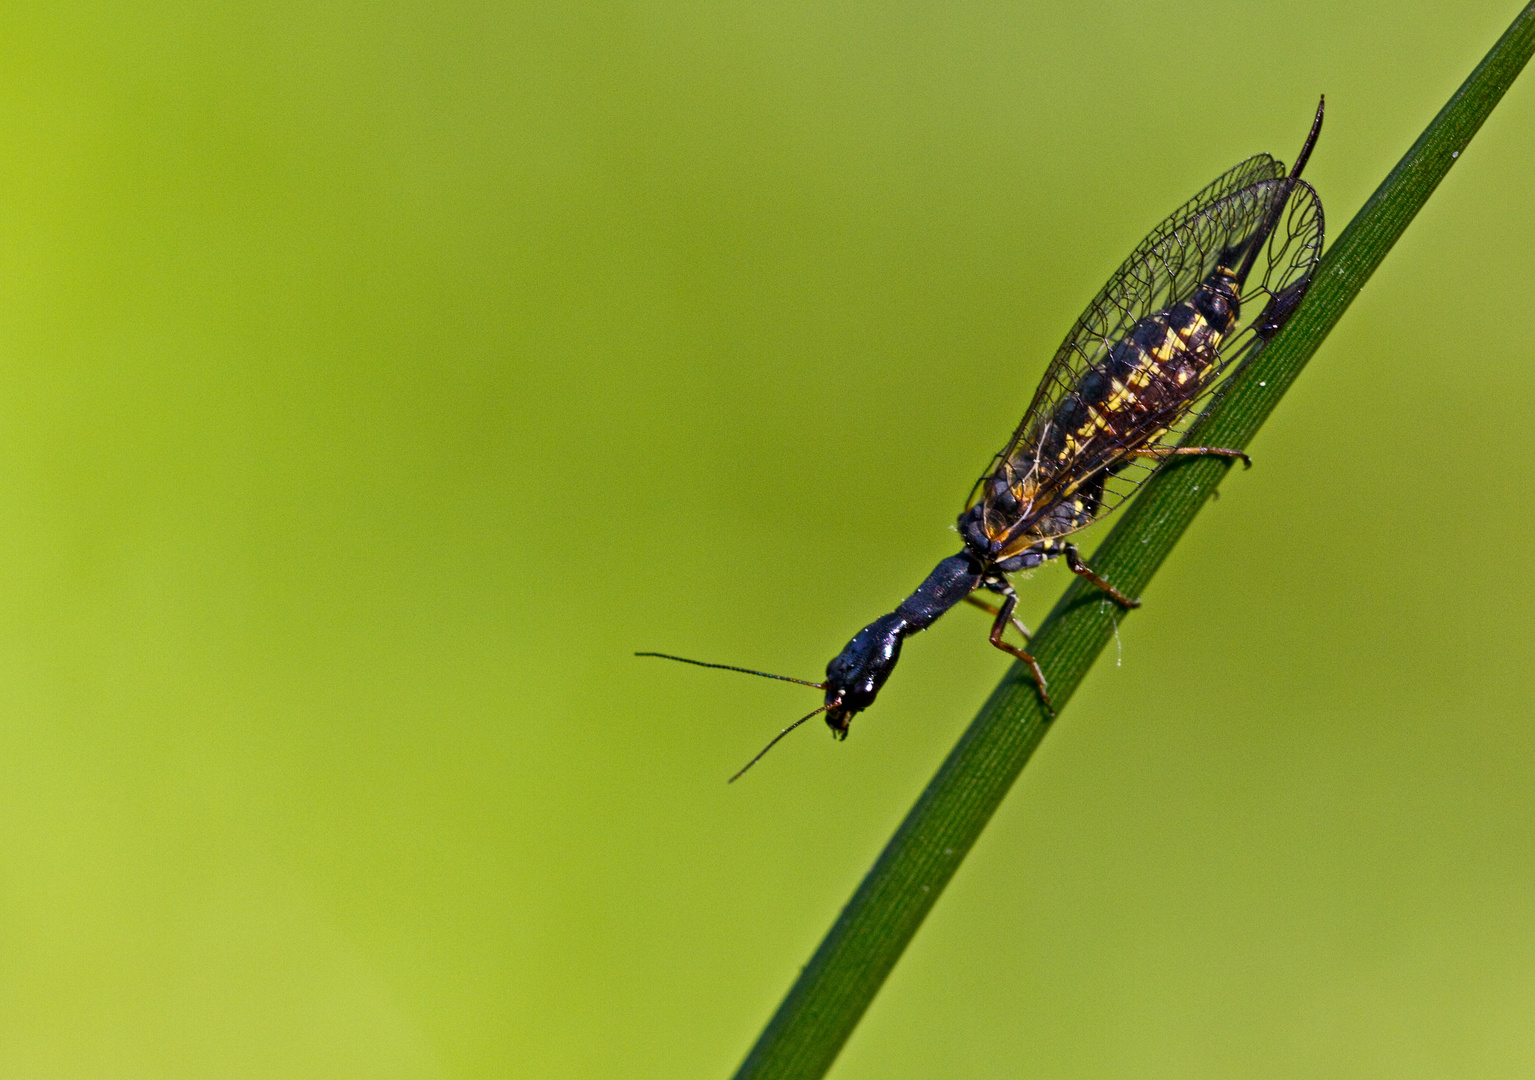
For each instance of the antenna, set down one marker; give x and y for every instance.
(765, 675)
(780, 735)
(732, 667)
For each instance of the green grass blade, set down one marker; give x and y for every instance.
(832, 992)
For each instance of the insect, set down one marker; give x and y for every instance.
(1200, 296)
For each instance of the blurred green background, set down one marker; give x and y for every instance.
(375, 378)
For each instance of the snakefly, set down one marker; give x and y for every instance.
(1201, 295)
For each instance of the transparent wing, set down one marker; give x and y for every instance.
(1253, 230)
(1164, 267)
(1063, 370)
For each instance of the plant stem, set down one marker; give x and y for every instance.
(835, 988)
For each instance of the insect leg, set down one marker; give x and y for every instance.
(1161, 452)
(1081, 569)
(999, 627)
(1007, 590)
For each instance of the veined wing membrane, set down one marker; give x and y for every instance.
(1199, 292)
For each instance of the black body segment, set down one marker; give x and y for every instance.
(855, 675)
(950, 582)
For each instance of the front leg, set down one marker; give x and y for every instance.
(999, 627)
(1005, 588)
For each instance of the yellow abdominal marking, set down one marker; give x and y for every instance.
(1123, 396)
(1198, 338)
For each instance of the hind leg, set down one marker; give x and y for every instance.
(1163, 452)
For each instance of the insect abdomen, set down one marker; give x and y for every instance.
(1155, 370)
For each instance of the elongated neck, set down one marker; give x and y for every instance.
(854, 676)
(950, 582)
